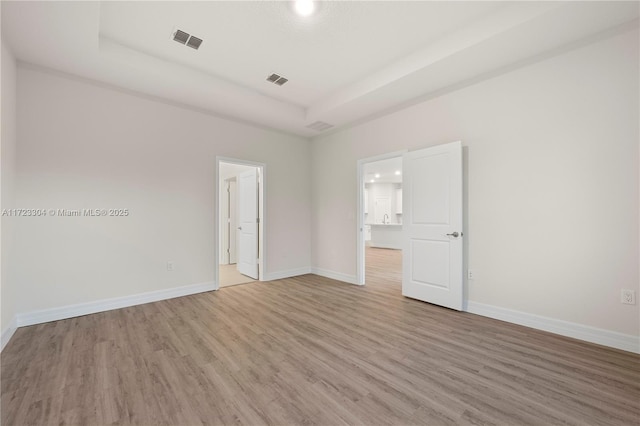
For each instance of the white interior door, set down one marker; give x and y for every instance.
(233, 222)
(248, 223)
(432, 218)
(224, 224)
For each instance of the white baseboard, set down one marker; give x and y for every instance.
(64, 312)
(351, 279)
(7, 333)
(613, 339)
(278, 275)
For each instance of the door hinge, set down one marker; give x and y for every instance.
(257, 220)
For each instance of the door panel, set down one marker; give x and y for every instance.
(435, 272)
(432, 205)
(248, 223)
(431, 196)
(233, 222)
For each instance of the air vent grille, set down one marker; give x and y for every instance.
(194, 42)
(181, 37)
(277, 79)
(281, 81)
(187, 39)
(320, 126)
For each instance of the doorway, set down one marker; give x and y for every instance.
(240, 217)
(380, 242)
(426, 226)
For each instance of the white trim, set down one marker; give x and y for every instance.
(7, 333)
(359, 278)
(278, 275)
(70, 311)
(613, 339)
(351, 279)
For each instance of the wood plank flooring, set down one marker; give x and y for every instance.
(229, 275)
(310, 350)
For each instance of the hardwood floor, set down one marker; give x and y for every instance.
(229, 275)
(310, 350)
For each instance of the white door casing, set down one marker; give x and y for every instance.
(432, 223)
(247, 193)
(228, 229)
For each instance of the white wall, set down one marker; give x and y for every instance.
(551, 163)
(8, 167)
(84, 145)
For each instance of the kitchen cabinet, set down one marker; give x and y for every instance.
(366, 201)
(386, 236)
(399, 201)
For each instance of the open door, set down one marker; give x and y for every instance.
(432, 208)
(232, 249)
(248, 223)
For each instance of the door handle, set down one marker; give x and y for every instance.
(454, 234)
(239, 228)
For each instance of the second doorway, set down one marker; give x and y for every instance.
(240, 211)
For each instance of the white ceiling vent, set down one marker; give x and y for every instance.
(277, 79)
(187, 39)
(320, 126)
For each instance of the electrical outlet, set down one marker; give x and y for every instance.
(470, 274)
(628, 297)
(170, 266)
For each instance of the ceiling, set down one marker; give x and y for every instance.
(349, 61)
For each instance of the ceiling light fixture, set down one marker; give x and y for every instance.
(377, 175)
(304, 7)
(397, 172)
(372, 180)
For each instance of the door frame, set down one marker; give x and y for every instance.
(262, 231)
(360, 258)
(226, 235)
